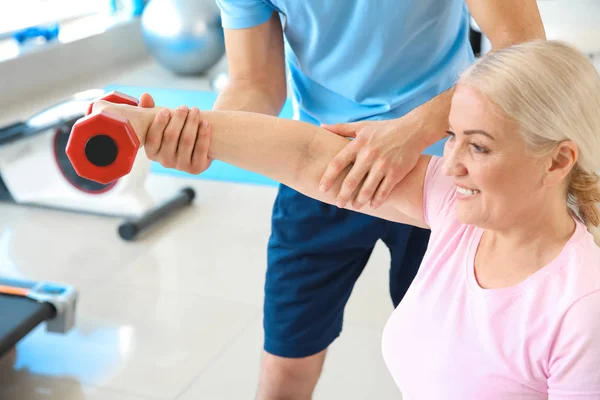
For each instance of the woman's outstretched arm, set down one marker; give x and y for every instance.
(291, 152)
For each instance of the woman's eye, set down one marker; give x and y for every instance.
(478, 149)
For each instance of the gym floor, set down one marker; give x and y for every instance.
(178, 314)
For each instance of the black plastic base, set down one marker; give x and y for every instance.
(19, 316)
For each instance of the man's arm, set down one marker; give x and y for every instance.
(256, 62)
(507, 22)
(385, 151)
(504, 23)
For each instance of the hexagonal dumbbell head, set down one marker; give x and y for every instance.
(102, 147)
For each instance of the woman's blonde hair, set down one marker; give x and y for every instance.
(552, 91)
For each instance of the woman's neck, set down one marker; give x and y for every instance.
(537, 230)
(507, 257)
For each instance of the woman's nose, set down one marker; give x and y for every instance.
(453, 166)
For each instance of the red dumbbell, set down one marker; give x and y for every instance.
(102, 147)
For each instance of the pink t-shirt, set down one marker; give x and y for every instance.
(450, 339)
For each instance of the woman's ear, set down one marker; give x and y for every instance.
(563, 159)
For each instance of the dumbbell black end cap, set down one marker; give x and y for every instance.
(191, 193)
(128, 231)
(101, 150)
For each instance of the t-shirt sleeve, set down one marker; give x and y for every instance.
(240, 14)
(575, 359)
(439, 193)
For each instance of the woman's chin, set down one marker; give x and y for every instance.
(467, 215)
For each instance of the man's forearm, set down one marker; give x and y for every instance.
(429, 121)
(255, 98)
(504, 23)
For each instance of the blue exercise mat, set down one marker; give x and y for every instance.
(218, 170)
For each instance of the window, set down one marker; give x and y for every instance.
(75, 19)
(21, 14)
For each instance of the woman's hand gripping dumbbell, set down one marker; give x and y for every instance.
(103, 145)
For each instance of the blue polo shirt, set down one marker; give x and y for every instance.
(352, 60)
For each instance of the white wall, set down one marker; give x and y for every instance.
(573, 21)
(49, 67)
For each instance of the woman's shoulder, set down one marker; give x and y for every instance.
(584, 252)
(577, 302)
(580, 272)
(575, 349)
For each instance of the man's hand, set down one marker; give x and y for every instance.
(382, 154)
(177, 141)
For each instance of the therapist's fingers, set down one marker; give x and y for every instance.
(200, 159)
(155, 134)
(352, 182)
(369, 186)
(187, 140)
(167, 155)
(339, 163)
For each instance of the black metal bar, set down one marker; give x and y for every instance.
(13, 132)
(130, 229)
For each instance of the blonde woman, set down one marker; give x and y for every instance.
(506, 304)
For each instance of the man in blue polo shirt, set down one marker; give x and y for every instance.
(382, 71)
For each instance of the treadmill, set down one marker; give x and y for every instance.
(24, 305)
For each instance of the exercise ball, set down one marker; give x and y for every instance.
(184, 36)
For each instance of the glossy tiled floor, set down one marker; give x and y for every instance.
(176, 315)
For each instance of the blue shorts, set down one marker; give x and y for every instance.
(316, 253)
